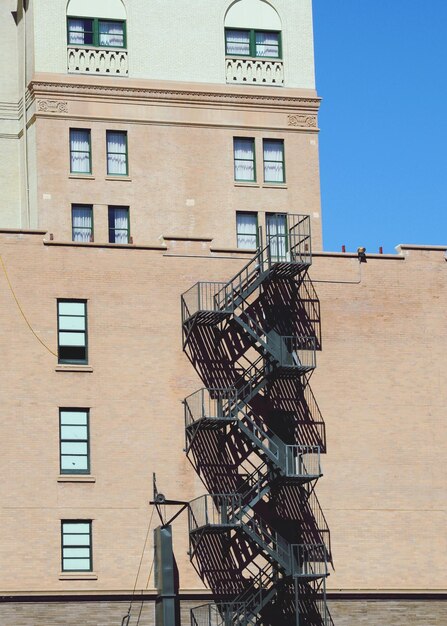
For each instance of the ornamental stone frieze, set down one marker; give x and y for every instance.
(52, 106)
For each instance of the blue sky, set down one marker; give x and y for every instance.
(381, 69)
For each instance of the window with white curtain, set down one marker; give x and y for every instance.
(274, 170)
(72, 331)
(76, 536)
(277, 235)
(247, 230)
(80, 151)
(253, 43)
(244, 159)
(117, 153)
(82, 222)
(119, 224)
(80, 31)
(83, 31)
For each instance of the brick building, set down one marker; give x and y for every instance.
(143, 144)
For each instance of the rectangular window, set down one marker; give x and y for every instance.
(76, 545)
(274, 170)
(244, 159)
(95, 32)
(80, 151)
(277, 236)
(72, 331)
(247, 230)
(117, 153)
(253, 43)
(82, 222)
(119, 231)
(74, 441)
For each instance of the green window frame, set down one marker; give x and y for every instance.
(247, 233)
(254, 43)
(244, 157)
(277, 230)
(119, 224)
(94, 32)
(72, 331)
(115, 154)
(74, 441)
(274, 161)
(76, 546)
(82, 222)
(80, 151)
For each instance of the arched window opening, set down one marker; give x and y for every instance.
(253, 44)
(97, 37)
(100, 23)
(253, 29)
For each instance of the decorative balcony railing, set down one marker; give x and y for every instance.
(105, 61)
(243, 70)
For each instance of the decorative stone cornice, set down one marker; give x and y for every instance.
(220, 97)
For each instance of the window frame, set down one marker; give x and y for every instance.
(124, 132)
(90, 546)
(252, 42)
(245, 180)
(95, 32)
(92, 229)
(72, 361)
(90, 169)
(87, 441)
(118, 206)
(256, 215)
(283, 161)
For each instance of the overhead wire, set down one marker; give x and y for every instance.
(2, 263)
(138, 572)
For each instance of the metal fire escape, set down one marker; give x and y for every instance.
(254, 434)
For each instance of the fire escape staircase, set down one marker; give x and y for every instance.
(229, 306)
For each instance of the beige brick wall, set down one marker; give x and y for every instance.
(380, 383)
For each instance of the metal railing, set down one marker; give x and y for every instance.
(224, 614)
(201, 297)
(214, 510)
(236, 288)
(303, 461)
(309, 560)
(213, 403)
(298, 353)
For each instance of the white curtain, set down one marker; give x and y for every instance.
(111, 34)
(273, 161)
(246, 230)
(244, 159)
(76, 32)
(82, 223)
(120, 223)
(267, 45)
(277, 235)
(238, 42)
(116, 153)
(80, 151)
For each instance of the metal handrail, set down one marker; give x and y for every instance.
(309, 560)
(303, 461)
(211, 403)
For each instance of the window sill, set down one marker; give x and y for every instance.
(78, 576)
(117, 177)
(247, 184)
(76, 478)
(73, 368)
(82, 176)
(274, 186)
